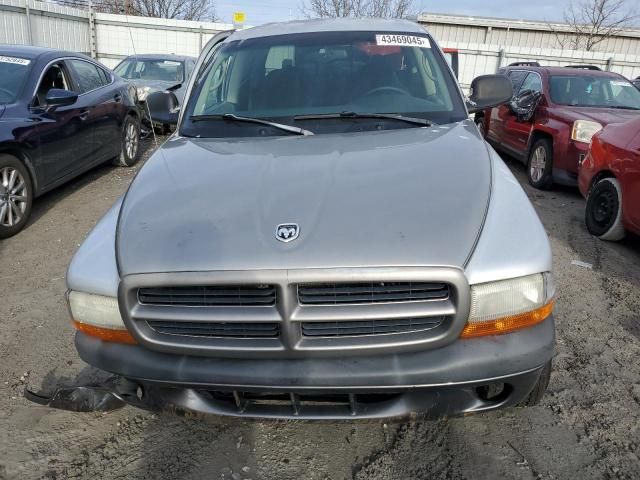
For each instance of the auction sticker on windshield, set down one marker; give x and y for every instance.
(14, 60)
(402, 40)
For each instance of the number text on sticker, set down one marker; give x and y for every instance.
(402, 40)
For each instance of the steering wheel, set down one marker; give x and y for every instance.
(8, 93)
(375, 91)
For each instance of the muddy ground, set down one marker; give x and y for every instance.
(586, 427)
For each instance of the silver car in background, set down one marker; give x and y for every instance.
(151, 73)
(325, 236)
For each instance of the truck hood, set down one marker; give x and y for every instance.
(409, 197)
(603, 116)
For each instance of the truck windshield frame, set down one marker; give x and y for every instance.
(279, 78)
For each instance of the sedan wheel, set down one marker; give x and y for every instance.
(603, 214)
(15, 196)
(130, 150)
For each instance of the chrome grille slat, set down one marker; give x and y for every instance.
(217, 329)
(209, 296)
(369, 327)
(371, 292)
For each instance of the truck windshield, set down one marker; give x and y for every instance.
(308, 80)
(13, 76)
(586, 91)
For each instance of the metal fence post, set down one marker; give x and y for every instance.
(28, 18)
(500, 58)
(92, 32)
(609, 64)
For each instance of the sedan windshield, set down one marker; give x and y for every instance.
(156, 69)
(586, 91)
(325, 82)
(13, 76)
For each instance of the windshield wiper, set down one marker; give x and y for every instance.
(350, 115)
(622, 107)
(235, 118)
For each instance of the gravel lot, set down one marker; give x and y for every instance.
(588, 425)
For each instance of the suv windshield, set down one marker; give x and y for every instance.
(145, 69)
(586, 91)
(13, 76)
(298, 79)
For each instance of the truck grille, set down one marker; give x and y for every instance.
(359, 293)
(210, 296)
(297, 313)
(369, 327)
(217, 329)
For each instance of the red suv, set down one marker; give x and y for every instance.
(553, 115)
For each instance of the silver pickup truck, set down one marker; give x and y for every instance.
(326, 235)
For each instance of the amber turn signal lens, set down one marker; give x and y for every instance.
(106, 334)
(508, 324)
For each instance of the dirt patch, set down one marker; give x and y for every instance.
(586, 427)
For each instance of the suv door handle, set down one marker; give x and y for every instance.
(84, 114)
(117, 97)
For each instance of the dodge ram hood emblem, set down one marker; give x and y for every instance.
(287, 232)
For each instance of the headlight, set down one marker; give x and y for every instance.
(142, 93)
(508, 305)
(98, 316)
(583, 130)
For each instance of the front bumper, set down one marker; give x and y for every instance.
(447, 381)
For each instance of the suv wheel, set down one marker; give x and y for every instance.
(480, 124)
(16, 196)
(540, 164)
(130, 150)
(603, 214)
(538, 390)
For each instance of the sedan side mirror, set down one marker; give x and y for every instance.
(488, 91)
(57, 97)
(163, 108)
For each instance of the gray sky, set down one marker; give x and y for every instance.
(263, 11)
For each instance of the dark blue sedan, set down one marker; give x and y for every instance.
(61, 114)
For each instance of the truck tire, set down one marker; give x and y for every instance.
(540, 164)
(16, 191)
(538, 390)
(603, 214)
(479, 121)
(130, 149)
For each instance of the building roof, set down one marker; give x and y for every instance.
(329, 25)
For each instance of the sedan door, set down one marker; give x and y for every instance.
(104, 106)
(631, 183)
(61, 135)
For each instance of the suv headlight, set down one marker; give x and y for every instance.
(508, 305)
(98, 316)
(583, 130)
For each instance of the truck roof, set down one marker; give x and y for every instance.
(330, 25)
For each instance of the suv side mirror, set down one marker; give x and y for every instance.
(488, 91)
(57, 97)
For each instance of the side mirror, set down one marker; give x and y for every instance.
(488, 91)
(164, 108)
(57, 97)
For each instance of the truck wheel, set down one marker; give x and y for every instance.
(16, 196)
(540, 164)
(130, 150)
(603, 214)
(538, 391)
